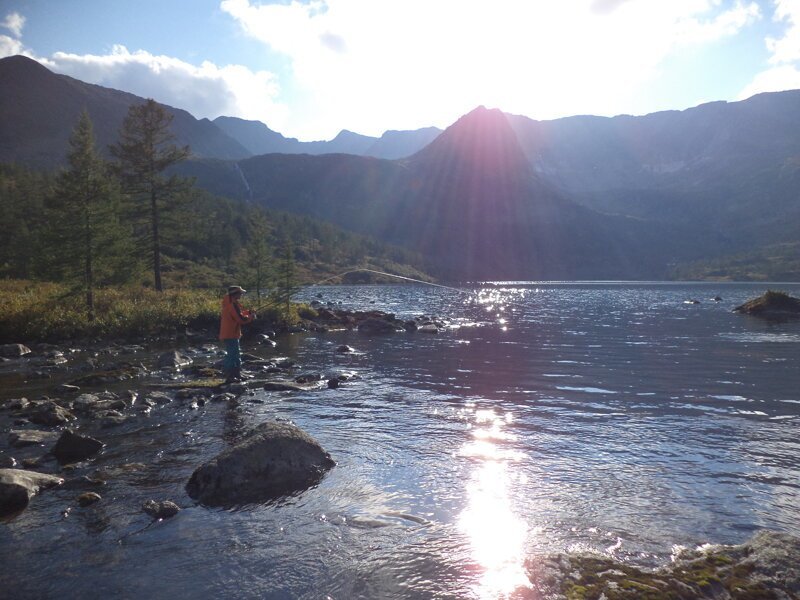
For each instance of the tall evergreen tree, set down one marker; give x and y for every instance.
(84, 233)
(144, 152)
(256, 263)
(286, 277)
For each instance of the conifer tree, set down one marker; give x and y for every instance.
(286, 277)
(85, 235)
(257, 263)
(144, 152)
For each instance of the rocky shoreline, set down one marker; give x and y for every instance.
(54, 440)
(108, 383)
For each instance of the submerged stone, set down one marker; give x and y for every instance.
(273, 460)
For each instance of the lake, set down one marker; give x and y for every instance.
(548, 417)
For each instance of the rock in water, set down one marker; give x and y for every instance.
(376, 326)
(88, 498)
(273, 460)
(50, 413)
(766, 566)
(14, 350)
(173, 360)
(20, 438)
(17, 487)
(72, 447)
(161, 510)
(772, 305)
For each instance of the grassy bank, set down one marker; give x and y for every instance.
(48, 312)
(35, 312)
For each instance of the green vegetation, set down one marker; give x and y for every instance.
(94, 225)
(48, 311)
(778, 262)
(86, 241)
(144, 151)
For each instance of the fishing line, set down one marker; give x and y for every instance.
(404, 278)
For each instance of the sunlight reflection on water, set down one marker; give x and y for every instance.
(497, 535)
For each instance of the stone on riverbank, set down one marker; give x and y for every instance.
(17, 487)
(766, 566)
(771, 305)
(72, 447)
(273, 460)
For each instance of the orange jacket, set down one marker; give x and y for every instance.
(232, 318)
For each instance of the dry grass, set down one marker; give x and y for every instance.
(34, 312)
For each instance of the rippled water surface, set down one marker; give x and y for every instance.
(551, 417)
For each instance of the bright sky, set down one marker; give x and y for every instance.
(311, 68)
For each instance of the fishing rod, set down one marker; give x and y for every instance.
(285, 297)
(411, 279)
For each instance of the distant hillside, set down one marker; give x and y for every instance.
(495, 195)
(260, 139)
(469, 202)
(734, 167)
(38, 110)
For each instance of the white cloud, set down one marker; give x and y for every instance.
(776, 79)
(396, 60)
(14, 22)
(10, 46)
(784, 74)
(207, 90)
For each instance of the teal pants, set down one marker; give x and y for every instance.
(233, 355)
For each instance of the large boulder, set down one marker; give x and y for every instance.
(273, 460)
(14, 350)
(17, 487)
(72, 447)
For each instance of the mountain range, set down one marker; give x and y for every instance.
(494, 196)
(39, 108)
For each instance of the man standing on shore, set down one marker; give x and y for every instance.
(232, 318)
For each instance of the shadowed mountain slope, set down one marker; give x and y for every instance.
(470, 202)
(39, 109)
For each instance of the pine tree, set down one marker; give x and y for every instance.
(84, 235)
(256, 264)
(144, 152)
(286, 278)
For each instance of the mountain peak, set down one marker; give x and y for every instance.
(18, 67)
(481, 140)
